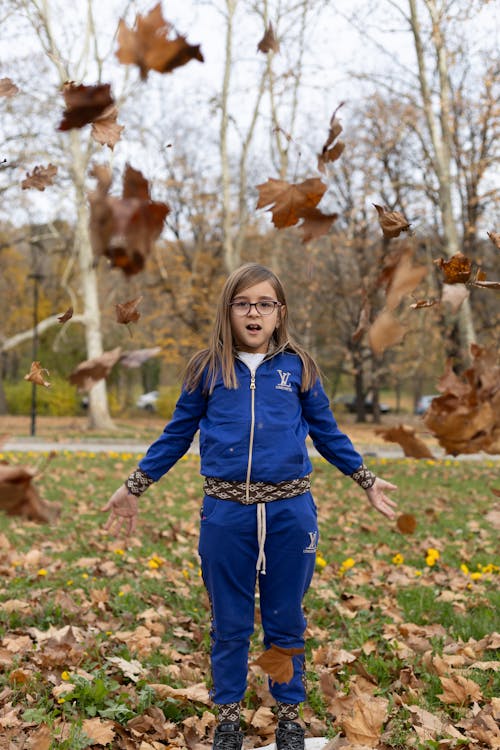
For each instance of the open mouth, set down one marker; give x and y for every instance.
(253, 327)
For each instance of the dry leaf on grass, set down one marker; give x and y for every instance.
(100, 731)
(197, 693)
(459, 690)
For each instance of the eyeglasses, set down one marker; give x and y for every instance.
(263, 307)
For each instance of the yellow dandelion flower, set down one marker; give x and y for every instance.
(65, 676)
(185, 573)
(121, 593)
(42, 572)
(398, 559)
(431, 552)
(464, 569)
(61, 700)
(70, 582)
(476, 576)
(190, 564)
(119, 551)
(348, 563)
(418, 572)
(85, 575)
(320, 561)
(154, 564)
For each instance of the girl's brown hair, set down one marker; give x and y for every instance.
(220, 355)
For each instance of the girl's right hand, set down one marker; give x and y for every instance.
(123, 511)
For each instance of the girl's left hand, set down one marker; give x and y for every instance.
(379, 499)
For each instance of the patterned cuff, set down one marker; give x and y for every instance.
(364, 477)
(138, 482)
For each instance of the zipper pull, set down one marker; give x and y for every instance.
(252, 381)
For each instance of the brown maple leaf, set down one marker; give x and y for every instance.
(8, 88)
(40, 177)
(288, 201)
(404, 279)
(19, 497)
(391, 222)
(147, 45)
(456, 270)
(277, 662)
(105, 129)
(331, 150)
(405, 436)
(127, 312)
(269, 42)
(35, 375)
(315, 223)
(84, 104)
(495, 238)
(65, 316)
(88, 373)
(384, 332)
(406, 523)
(124, 229)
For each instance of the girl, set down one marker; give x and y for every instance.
(255, 395)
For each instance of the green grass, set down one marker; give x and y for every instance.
(376, 594)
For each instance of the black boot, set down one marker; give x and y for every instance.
(227, 736)
(290, 736)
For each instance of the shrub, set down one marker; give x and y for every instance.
(61, 399)
(166, 401)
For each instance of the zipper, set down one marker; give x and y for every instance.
(252, 429)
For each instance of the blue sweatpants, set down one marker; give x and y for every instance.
(228, 549)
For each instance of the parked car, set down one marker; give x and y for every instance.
(424, 402)
(349, 402)
(147, 401)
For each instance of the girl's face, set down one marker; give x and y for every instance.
(252, 331)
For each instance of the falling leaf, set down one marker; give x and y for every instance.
(124, 229)
(65, 316)
(459, 690)
(456, 270)
(269, 42)
(88, 373)
(384, 332)
(406, 523)
(421, 303)
(137, 357)
(315, 223)
(332, 149)
(147, 45)
(277, 662)
(391, 222)
(40, 177)
(404, 279)
(288, 202)
(495, 238)
(364, 319)
(405, 436)
(454, 295)
(105, 129)
(487, 284)
(35, 375)
(127, 312)
(19, 497)
(8, 88)
(84, 104)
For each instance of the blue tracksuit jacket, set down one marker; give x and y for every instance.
(256, 432)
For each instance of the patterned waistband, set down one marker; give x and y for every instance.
(258, 492)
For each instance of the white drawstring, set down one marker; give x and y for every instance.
(261, 537)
